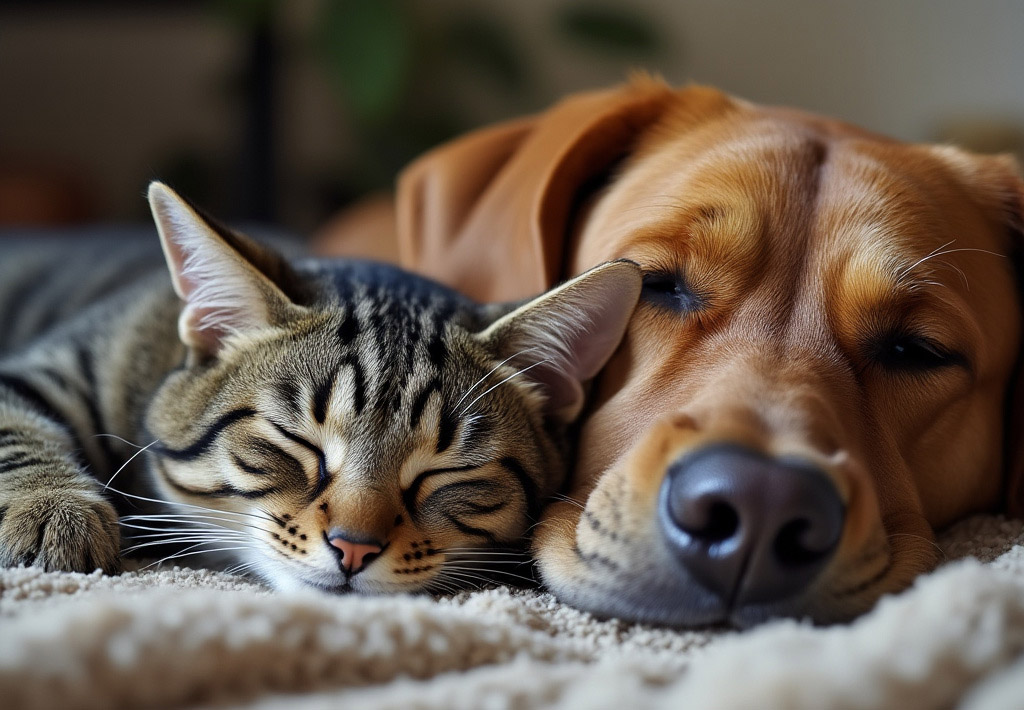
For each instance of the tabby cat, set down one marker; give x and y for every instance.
(341, 425)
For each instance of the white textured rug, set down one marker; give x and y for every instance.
(193, 638)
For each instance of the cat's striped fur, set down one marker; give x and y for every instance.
(335, 424)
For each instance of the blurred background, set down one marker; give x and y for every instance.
(285, 111)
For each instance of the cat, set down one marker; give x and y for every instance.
(321, 423)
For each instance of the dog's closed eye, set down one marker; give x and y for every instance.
(907, 352)
(670, 291)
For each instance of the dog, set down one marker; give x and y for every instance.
(820, 374)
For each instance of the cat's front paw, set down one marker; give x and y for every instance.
(68, 528)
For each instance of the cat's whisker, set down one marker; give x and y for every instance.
(161, 530)
(202, 533)
(446, 568)
(119, 438)
(492, 371)
(181, 541)
(493, 387)
(197, 520)
(130, 459)
(482, 553)
(192, 542)
(190, 505)
(193, 518)
(241, 569)
(464, 579)
(522, 561)
(441, 586)
(192, 551)
(136, 526)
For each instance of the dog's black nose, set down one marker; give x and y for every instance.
(749, 528)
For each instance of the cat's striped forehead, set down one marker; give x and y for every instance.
(378, 374)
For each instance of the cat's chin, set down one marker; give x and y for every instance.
(343, 588)
(281, 579)
(287, 581)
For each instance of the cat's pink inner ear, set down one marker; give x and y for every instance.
(206, 340)
(221, 291)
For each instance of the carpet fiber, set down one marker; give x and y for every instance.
(194, 638)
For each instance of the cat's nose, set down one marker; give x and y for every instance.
(353, 553)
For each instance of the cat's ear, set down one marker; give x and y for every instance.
(229, 284)
(562, 338)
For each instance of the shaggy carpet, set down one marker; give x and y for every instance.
(181, 637)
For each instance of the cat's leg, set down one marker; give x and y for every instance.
(52, 512)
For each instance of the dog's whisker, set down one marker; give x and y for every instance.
(943, 251)
(920, 537)
(922, 260)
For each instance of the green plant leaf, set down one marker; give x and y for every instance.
(485, 44)
(608, 30)
(248, 14)
(366, 47)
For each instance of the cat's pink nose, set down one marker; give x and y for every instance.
(354, 555)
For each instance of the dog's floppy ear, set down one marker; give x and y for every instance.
(1014, 494)
(995, 184)
(1014, 489)
(489, 213)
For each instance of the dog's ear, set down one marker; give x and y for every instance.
(1000, 178)
(489, 213)
(1014, 493)
(1014, 489)
(995, 183)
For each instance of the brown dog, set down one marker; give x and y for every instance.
(818, 375)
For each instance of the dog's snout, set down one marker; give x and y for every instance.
(749, 528)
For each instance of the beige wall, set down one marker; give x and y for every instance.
(113, 93)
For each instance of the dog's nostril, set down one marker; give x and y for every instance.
(713, 521)
(799, 544)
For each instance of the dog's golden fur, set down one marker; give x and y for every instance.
(808, 247)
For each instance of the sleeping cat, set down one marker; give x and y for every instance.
(341, 425)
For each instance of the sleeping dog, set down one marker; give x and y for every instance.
(821, 370)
